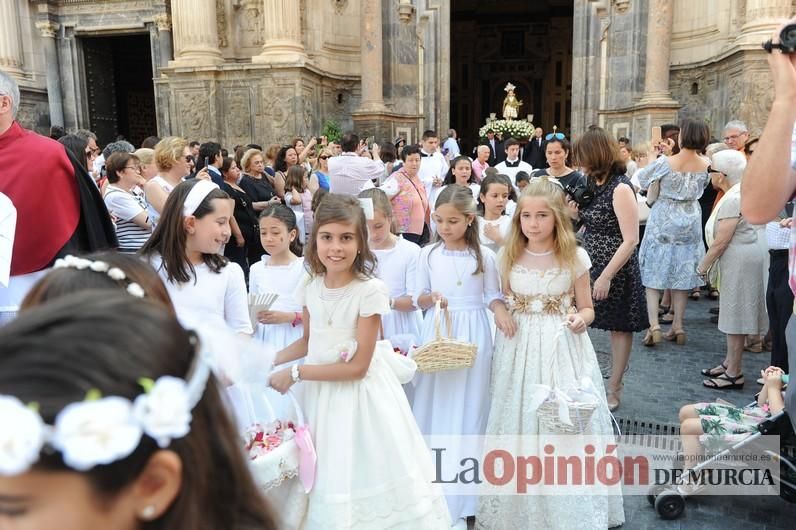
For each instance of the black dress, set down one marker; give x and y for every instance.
(625, 309)
(246, 218)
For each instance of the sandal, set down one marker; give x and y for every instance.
(715, 372)
(613, 397)
(678, 337)
(695, 295)
(753, 346)
(653, 337)
(713, 294)
(732, 382)
(663, 309)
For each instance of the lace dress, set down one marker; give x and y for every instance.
(625, 309)
(543, 294)
(374, 470)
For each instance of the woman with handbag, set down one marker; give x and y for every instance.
(408, 197)
(733, 263)
(672, 245)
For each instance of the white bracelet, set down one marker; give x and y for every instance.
(294, 373)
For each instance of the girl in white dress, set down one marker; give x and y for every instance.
(373, 468)
(208, 290)
(493, 223)
(462, 274)
(546, 280)
(461, 173)
(278, 272)
(396, 266)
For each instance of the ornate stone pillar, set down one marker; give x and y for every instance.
(195, 33)
(54, 97)
(761, 18)
(10, 44)
(163, 23)
(659, 40)
(371, 57)
(282, 33)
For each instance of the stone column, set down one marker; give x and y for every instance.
(163, 23)
(195, 33)
(282, 33)
(54, 96)
(371, 57)
(762, 18)
(659, 40)
(10, 44)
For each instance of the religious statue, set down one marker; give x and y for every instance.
(511, 105)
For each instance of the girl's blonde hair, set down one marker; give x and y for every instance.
(339, 208)
(324, 152)
(295, 178)
(461, 198)
(381, 204)
(565, 247)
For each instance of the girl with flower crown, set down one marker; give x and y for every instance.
(373, 468)
(115, 426)
(208, 291)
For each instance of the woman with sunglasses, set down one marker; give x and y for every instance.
(173, 158)
(127, 207)
(321, 171)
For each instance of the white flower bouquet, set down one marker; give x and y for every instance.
(517, 129)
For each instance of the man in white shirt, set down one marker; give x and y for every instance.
(433, 166)
(451, 146)
(354, 171)
(513, 165)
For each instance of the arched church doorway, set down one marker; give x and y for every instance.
(121, 94)
(527, 43)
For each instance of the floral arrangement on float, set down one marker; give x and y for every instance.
(517, 129)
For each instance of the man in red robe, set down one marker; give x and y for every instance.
(59, 209)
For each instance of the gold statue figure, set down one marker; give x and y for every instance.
(511, 105)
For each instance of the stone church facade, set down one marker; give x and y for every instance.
(267, 70)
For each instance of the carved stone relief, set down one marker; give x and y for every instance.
(251, 23)
(276, 112)
(192, 109)
(339, 6)
(238, 116)
(221, 23)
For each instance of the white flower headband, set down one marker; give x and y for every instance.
(101, 430)
(114, 273)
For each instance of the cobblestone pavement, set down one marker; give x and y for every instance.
(662, 379)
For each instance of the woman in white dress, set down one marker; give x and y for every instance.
(462, 275)
(546, 281)
(373, 468)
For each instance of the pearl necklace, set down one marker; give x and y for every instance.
(539, 254)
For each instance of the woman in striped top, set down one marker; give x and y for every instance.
(126, 202)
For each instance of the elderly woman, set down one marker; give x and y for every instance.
(408, 197)
(672, 245)
(258, 185)
(148, 168)
(735, 259)
(128, 208)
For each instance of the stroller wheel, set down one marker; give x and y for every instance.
(669, 504)
(654, 492)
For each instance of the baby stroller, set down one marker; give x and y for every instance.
(669, 501)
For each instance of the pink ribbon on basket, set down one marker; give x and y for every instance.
(308, 458)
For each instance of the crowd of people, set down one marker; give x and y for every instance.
(524, 246)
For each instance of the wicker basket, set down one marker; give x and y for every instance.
(444, 353)
(580, 412)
